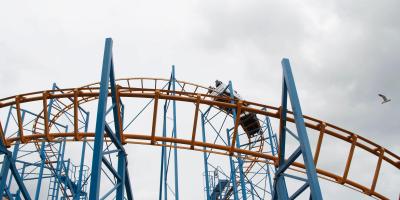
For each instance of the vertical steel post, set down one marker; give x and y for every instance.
(123, 181)
(301, 131)
(280, 190)
(118, 131)
(100, 123)
(162, 157)
(18, 193)
(233, 170)
(59, 168)
(4, 171)
(175, 136)
(240, 161)
(289, 88)
(271, 136)
(41, 153)
(79, 183)
(205, 158)
(163, 173)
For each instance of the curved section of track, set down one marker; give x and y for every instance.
(90, 92)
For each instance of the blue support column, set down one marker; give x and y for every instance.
(271, 136)
(106, 77)
(160, 192)
(163, 190)
(233, 170)
(280, 191)
(163, 173)
(42, 148)
(175, 136)
(118, 131)
(18, 193)
(41, 168)
(240, 161)
(289, 89)
(301, 131)
(205, 159)
(19, 181)
(4, 171)
(79, 183)
(100, 123)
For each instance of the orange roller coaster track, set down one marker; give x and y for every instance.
(48, 134)
(91, 92)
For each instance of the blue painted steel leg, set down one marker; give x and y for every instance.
(174, 135)
(100, 123)
(18, 193)
(233, 170)
(118, 131)
(241, 175)
(4, 171)
(42, 153)
(289, 87)
(271, 137)
(163, 175)
(9, 164)
(106, 77)
(280, 191)
(79, 183)
(163, 149)
(164, 159)
(205, 159)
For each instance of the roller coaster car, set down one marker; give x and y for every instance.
(248, 121)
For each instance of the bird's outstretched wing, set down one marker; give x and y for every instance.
(383, 97)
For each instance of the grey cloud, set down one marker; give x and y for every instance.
(342, 52)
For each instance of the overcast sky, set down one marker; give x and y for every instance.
(343, 53)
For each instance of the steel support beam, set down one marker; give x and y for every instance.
(235, 138)
(205, 158)
(107, 77)
(289, 90)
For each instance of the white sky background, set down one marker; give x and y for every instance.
(343, 53)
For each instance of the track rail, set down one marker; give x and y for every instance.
(88, 92)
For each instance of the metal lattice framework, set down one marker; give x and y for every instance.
(39, 125)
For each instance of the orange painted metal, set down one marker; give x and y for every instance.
(349, 158)
(153, 127)
(76, 115)
(310, 122)
(3, 137)
(320, 137)
(245, 153)
(377, 169)
(46, 116)
(19, 118)
(119, 122)
(90, 93)
(280, 134)
(196, 114)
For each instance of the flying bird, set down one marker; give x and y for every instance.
(385, 99)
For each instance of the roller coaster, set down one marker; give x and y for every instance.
(242, 155)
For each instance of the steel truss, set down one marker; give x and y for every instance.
(236, 165)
